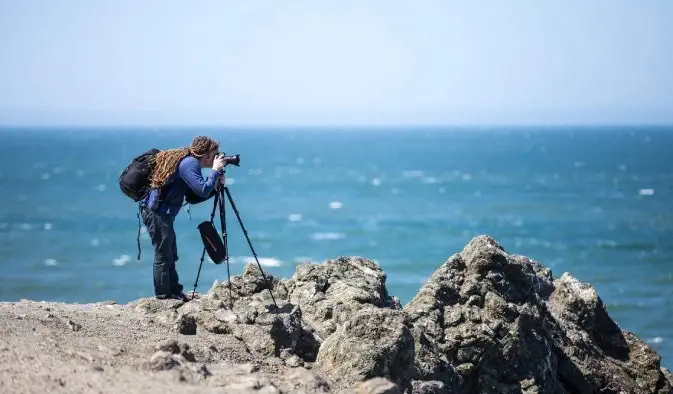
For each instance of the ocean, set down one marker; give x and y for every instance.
(592, 201)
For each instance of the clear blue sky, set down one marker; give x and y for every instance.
(335, 62)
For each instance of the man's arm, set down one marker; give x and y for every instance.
(190, 171)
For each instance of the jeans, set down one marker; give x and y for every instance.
(161, 231)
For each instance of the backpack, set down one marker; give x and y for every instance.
(134, 181)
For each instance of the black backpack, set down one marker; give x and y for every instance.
(134, 181)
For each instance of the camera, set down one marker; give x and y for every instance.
(232, 159)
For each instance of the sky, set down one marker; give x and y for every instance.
(358, 62)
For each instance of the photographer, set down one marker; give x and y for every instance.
(177, 177)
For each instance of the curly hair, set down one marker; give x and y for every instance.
(166, 161)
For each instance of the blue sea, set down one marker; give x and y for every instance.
(593, 201)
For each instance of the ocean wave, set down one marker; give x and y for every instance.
(264, 261)
(413, 173)
(294, 217)
(121, 260)
(331, 236)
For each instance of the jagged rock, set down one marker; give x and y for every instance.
(273, 331)
(594, 353)
(428, 387)
(486, 321)
(250, 314)
(375, 342)
(249, 290)
(178, 357)
(669, 377)
(186, 325)
(330, 293)
(491, 322)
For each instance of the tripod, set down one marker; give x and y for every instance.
(218, 202)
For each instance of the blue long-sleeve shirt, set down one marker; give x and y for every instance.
(187, 181)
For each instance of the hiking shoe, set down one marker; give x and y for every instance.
(181, 297)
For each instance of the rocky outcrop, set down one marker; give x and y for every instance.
(490, 322)
(486, 321)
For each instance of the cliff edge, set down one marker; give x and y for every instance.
(486, 321)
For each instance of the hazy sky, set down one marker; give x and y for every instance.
(335, 62)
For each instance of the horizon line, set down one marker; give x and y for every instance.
(333, 126)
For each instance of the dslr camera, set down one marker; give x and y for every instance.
(231, 159)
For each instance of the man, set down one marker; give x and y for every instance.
(177, 176)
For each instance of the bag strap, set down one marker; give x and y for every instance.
(138, 239)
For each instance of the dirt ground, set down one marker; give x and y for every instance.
(48, 347)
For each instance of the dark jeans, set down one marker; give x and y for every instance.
(162, 234)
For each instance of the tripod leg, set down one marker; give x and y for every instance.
(223, 224)
(238, 216)
(203, 254)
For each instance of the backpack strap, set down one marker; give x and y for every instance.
(138, 239)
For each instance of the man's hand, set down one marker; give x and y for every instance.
(218, 163)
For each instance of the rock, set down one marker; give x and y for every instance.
(293, 361)
(301, 380)
(172, 346)
(74, 326)
(330, 293)
(490, 322)
(169, 345)
(251, 288)
(253, 318)
(186, 325)
(271, 332)
(162, 360)
(669, 378)
(428, 387)
(178, 357)
(376, 386)
(375, 342)
(486, 321)
(593, 350)
(251, 383)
